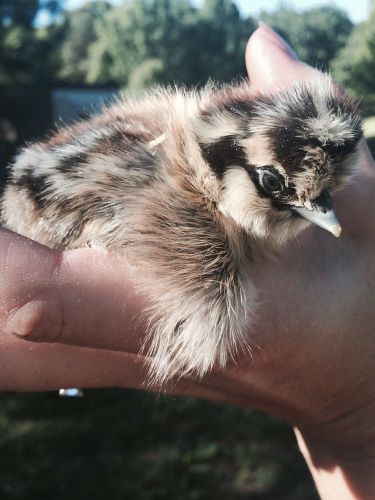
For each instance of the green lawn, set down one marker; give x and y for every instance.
(124, 445)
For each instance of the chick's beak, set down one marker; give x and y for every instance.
(322, 214)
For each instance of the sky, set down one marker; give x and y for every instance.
(356, 9)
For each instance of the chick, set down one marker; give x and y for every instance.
(192, 188)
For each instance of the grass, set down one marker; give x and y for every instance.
(122, 444)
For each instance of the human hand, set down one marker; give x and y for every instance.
(314, 364)
(317, 318)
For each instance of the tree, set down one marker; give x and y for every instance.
(169, 41)
(77, 34)
(24, 50)
(131, 33)
(354, 65)
(27, 67)
(145, 75)
(224, 35)
(316, 34)
(23, 12)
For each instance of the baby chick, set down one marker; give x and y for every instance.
(192, 188)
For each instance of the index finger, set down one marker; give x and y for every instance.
(272, 64)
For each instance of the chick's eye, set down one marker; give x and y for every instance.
(270, 182)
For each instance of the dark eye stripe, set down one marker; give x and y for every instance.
(223, 153)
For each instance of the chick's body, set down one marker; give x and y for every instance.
(191, 188)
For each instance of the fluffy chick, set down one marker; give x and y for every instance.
(192, 187)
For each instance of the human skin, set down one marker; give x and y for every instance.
(73, 319)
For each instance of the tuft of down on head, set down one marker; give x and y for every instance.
(279, 156)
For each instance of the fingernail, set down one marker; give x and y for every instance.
(275, 38)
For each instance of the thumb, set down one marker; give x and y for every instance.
(78, 297)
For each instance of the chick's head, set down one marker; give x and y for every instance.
(278, 157)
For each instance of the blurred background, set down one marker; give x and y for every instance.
(62, 60)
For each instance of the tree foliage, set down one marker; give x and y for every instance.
(189, 44)
(23, 12)
(224, 36)
(142, 41)
(354, 65)
(137, 43)
(316, 35)
(24, 50)
(27, 69)
(77, 33)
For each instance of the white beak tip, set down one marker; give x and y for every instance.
(336, 231)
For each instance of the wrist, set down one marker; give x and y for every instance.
(341, 469)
